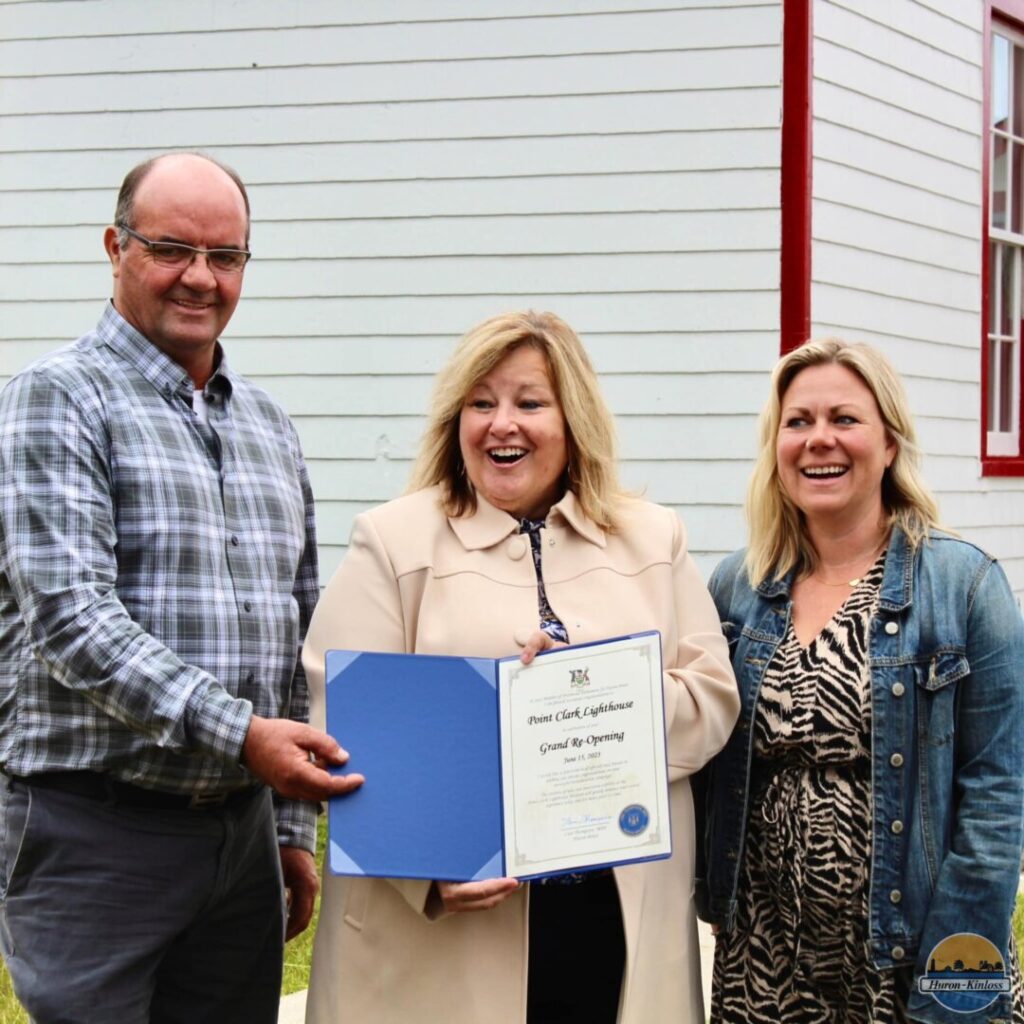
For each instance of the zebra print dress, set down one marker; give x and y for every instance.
(797, 954)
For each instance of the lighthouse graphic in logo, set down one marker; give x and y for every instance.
(965, 973)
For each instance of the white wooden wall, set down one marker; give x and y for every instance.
(414, 167)
(897, 229)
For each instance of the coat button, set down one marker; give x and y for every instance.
(895, 896)
(516, 548)
(896, 760)
(892, 628)
(896, 827)
(898, 689)
(898, 952)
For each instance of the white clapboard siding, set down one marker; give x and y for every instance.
(452, 275)
(412, 160)
(340, 39)
(415, 81)
(897, 228)
(79, 18)
(659, 191)
(414, 168)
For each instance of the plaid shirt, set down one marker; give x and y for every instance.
(156, 575)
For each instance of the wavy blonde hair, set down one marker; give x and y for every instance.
(591, 472)
(778, 541)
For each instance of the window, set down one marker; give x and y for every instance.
(1004, 258)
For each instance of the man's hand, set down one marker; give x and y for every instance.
(462, 897)
(277, 751)
(301, 885)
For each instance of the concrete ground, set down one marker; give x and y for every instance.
(293, 1007)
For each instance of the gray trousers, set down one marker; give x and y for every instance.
(111, 913)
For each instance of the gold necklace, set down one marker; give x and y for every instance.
(856, 579)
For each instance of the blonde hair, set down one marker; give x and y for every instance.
(778, 539)
(591, 472)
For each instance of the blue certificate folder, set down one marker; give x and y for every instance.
(424, 730)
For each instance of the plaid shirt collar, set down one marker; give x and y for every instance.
(166, 376)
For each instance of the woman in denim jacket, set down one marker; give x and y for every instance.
(863, 826)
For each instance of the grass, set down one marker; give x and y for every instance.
(298, 952)
(297, 955)
(11, 1011)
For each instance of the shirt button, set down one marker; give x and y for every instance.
(516, 548)
(898, 952)
(895, 896)
(896, 760)
(892, 628)
(896, 827)
(234, 541)
(250, 678)
(898, 689)
(247, 606)
(551, 542)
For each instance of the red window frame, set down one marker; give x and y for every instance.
(1010, 13)
(796, 175)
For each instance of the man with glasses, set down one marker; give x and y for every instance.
(157, 572)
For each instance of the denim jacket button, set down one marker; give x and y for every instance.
(898, 952)
(896, 827)
(896, 760)
(898, 689)
(892, 628)
(895, 896)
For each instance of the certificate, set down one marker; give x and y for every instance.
(479, 768)
(583, 757)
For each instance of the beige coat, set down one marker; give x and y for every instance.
(414, 580)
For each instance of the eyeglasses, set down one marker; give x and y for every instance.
(179, 256)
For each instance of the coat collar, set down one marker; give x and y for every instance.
(488, 525)
(897, 591)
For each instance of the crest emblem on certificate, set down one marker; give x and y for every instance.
(579, 677)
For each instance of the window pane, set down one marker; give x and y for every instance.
(993, 385)
(1016, 82)
(1000, 82)
(999, 172)
(1017, 151)
(1005, 387)
(993, 284)
(1004, 323)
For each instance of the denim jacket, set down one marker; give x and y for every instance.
(946, 650)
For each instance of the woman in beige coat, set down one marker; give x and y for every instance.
(518, 460)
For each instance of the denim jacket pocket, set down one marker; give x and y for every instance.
(937, 704)
(944, 668)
